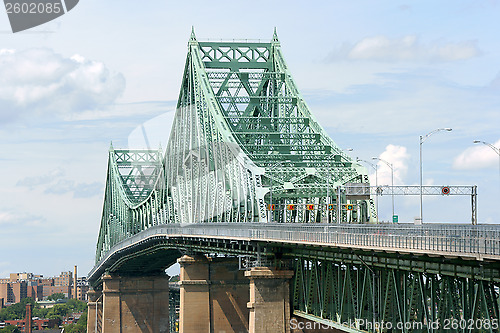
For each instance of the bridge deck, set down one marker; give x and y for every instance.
(475, 243)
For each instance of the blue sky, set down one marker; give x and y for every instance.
(375, 74)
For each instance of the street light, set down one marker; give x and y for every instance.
(497, 150)
(376, 180)
(271, 188)
(392, 180)
(422, 139)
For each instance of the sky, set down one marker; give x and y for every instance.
(376, 75)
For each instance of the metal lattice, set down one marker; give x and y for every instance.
(242, 138)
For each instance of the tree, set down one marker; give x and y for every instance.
(57, 312)
(10, 329)
(79, 327)
(56, 296)
(18, 310)
(76, 305)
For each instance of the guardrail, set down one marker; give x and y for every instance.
(436, 238)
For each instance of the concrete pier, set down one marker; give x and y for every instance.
(132, 304)
(214, 294)
(269, 300)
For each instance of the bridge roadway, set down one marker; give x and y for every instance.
(475, 246)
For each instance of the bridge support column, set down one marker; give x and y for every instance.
(94, 311)
(269, 300)
(135, 304)
(214, 294)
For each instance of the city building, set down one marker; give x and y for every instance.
(21, 285)
(37, 324)
(82, 287)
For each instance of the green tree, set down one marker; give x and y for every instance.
(76, 305)
(58, 311)
(79, 327)
(56, 296)
(18, 310)
(10, 329)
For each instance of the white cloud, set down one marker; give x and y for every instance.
(479, 156)
(495, 83)
(54, 183)
(33, 181)
(9, 218)
(398, 157)
(406, 48)
(40, 81)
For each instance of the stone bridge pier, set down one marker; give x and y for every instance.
(215, 297)
(130, 304)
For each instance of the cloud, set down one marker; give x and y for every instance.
(79, 190)
(407, 48)
(34, 181)
(40, 81)
(398, 157)
(54, 183)
(477, 157)
(495, 83)
(14, 218)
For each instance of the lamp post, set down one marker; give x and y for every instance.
(328, 189)
(376, 180)
(497, 150)
(271, 188)
(422, 139)
(392, 180)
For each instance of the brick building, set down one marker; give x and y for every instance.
(37, 324)
(14, 292)
(22, 285)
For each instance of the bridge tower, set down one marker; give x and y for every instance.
(243, 148)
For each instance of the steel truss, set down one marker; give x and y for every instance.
(242, 137)
(375, 299)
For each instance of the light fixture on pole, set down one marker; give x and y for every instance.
(422, 139)
(497, 150)
(376, 180)
(271, 188)
(392, 180)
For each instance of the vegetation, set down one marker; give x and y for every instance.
(58, 311)
(55, 297)
(79, 327)
(10, 329)
(18, 310)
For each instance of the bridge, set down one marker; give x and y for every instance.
(273, 225)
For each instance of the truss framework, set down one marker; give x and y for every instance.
(372, 299)
(242, 138)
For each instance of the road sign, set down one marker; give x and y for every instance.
(395, 219)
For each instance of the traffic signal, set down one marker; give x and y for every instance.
(270, 207)
(290, 207)
(310, 207)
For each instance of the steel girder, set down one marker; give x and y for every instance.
(375, 299)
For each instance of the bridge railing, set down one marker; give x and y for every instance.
(479, 239)
(474, 240)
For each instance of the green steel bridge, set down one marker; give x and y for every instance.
(249, 172)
